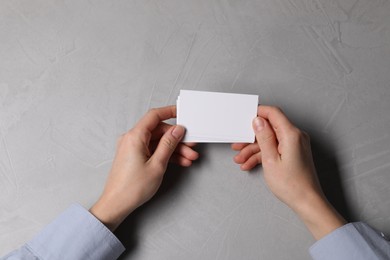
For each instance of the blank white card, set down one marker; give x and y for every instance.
(214, 117)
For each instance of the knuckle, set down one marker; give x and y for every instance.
(306, 136)
(169, 143)
(278, 109)
(128, 138)
(295, 135)
(133, 132)
(129, 134)
(267, 138)
(298, 136)
(138, 133)
(152, 111)
(254, 148)
(296, 132)
(269, 161)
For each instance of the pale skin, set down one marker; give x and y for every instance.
(283, 150)
(140, 162)
(285, 154)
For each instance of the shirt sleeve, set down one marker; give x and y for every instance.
(357, 241)
(75, 234)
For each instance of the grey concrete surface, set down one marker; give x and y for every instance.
(75, 74)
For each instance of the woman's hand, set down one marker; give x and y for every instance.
(285, 154)
(140, 162)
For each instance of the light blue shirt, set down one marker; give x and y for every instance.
(357, 241)
(77, 234)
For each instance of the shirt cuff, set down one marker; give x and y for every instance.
(76, 234)
(351, 241)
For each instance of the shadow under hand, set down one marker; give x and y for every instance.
(328, 172)
(174, 179)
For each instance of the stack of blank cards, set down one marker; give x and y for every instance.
(214, 117)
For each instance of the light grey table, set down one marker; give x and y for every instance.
(75, 74)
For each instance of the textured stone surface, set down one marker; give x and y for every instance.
(75, 74)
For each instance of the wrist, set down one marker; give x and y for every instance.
(110, 212)
(319, 216)
(105, 215)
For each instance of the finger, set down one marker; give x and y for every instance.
(180, 160)
(277, 119)
(167, 145)
(251, 163)
(152, 119)
(190, 144)
(160, 130)
(186, 152)
(181, 149)
(266, 139)
(246, 153)
(238, 146)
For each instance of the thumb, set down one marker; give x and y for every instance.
(168, 144)
(266, 139)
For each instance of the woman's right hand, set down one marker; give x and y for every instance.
(285, 154)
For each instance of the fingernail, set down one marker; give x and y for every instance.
(258, 123)
(178, 132)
